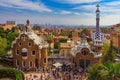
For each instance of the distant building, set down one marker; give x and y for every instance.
(8, 25)
(66, 49)
(29, 50)
(21, 26)
(75, 36)
(10, 22)
(115, 35)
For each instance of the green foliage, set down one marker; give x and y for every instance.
(14, 28)
(97, 72)
(105, 30)
(106, 71)
(7, 36)
(49, 38)
(55, 34)
(84, 31)
(113, 69)
(2, 32)
(90, 42)
(49, 53)
(65, 33)
(11, 73)
(105, 48)
(57, 45)
(110, 56)
(62, 40)
(70, 34)
(3, 45)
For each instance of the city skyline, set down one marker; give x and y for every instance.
(68, 12)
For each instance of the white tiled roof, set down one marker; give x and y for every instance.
(37, 39)
(84, 44)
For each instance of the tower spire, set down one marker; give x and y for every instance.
(97, 17)
(98, 39)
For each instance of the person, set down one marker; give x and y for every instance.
(41, 77)
(63, 77)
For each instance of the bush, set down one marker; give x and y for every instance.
(106, 71)
(11, 73)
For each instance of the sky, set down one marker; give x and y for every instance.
(66, 12)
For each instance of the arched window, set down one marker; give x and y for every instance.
(85, 52)
(24, 52)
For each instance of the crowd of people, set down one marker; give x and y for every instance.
(61, 73)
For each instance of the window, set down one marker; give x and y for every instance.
(20, 44)
(85, 52)
(44, 60)
(33, 52)
(17, 51)
(30, 63)
(24, 52)
(29, 44)
(17, 62)
(23, 63)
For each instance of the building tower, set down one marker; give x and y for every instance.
(27, 26)
(98, 35)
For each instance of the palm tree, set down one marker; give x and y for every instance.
(97, 72)
(114, 70)
(106, 71)
(110, 56)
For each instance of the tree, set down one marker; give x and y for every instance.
(110, 56)
(6, 38)
(113, 69)
(7, 31)
(15, 29)
(97, 72)
(11, 73)
(3, 46)
(105, 30)
(105, 48)
(2, 32)
(70, 34)
(84, 31)
(106, 71)
(57, 45)
(62, 40)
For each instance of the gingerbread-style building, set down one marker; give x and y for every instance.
(86, 55)
(29, 50)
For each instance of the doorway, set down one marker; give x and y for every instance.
(36, 63)
(84, 63)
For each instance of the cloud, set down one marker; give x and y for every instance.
(25, 4)
(103, 8)
(65, 12)
(76, 1)
(76, 13)
(88, 8)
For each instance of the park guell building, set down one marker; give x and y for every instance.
(84, 54)
(29, 50)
